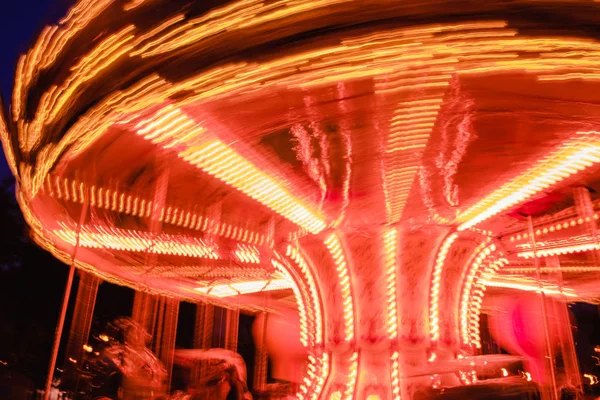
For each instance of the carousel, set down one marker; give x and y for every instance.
(393, 188)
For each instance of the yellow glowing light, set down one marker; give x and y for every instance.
(476, 299)
(337, 253)
(114, 200)
(170, 127)
(569, 159)
(434, 292)
(395, 375)
(337, 395)
(562, 249)
(402, 61)
(317, 374)
(300, 261)
(409, 132)
(248, 287)
(389, 242)
(88, 348)
(527, 285)
(302, 308)
(218, 159)
(123, 240)
(104, 337)
(544, 230)
(481, 253)
(352, 377)
(247, 254)
(6, 144)
(593, 378)
(504, 372)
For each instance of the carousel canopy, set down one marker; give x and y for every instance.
(179, 146)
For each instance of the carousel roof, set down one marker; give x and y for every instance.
(176, 144)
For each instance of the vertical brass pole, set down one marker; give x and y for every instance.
(549, 351)
(567, 343)
(65, 304)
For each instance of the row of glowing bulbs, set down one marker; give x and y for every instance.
(113, 200)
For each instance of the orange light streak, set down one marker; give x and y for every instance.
(170, 126)
(571, 158)
(572, 245)
(409, 132)
(136, 241)
(218, 159)
(550, 228)
(527, 286)
(490, 47)
(128, 204)
(247, 287)
(562, 268)
(7, 145)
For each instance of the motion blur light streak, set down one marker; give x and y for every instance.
(550, 228)
(569, 159)
(114, 200)
(234, 289)
(123, 240)
(170, 127)
(526, 285)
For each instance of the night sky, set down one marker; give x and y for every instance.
(20, 22)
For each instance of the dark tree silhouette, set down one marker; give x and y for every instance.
(31, 285)
(14, 237)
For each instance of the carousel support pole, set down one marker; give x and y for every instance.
(203, 332)
(585, 210)
(144, 310)
(65, 303)
(169, 334)
(159, 324)
(549, 353)
(567, 344)
(261, 358)
(231, 329)
(82, 322)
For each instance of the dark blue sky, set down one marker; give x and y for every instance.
(20, 22)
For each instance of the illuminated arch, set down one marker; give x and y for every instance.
(318, 368)
(434, 291)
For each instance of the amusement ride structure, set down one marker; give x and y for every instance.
(385, 164)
